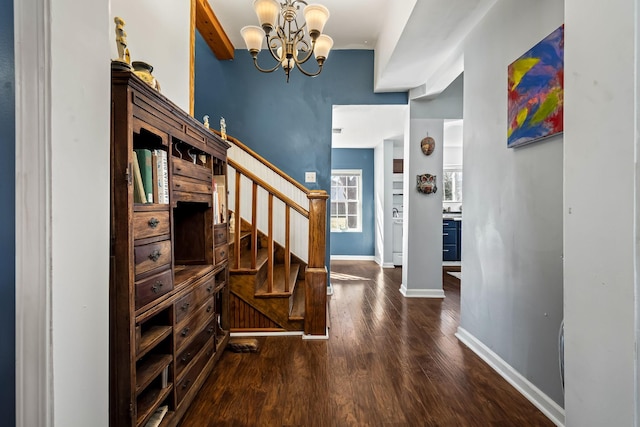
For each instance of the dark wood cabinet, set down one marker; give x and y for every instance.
(169, 294)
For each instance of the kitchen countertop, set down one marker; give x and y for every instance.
(456, 216)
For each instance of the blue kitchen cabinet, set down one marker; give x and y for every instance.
(451, 230)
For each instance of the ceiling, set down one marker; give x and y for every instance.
(417, 43)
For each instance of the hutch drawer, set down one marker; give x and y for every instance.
(221, 253)
(152, 256)
(153, 287)
(150, 224)
(191, 351)
(184, 384)
(192, 325)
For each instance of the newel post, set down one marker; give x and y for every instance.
(315, 317)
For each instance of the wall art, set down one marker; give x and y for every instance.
(427, 145)
(535, 92)
(426, 183)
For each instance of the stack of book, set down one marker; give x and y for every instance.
(150, 176)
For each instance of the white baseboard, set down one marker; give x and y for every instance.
(353, 258)
(329, 289)
(551, 409)
(317, 337)
(421, 293)
(267, 334)
(388, 265)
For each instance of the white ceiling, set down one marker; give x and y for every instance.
(417, 43)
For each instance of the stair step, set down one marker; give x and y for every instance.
(298, 307)
(278, 283)
(243, 235)
(245, 262)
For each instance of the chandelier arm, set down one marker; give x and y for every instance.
(299, 67)
(265, 70)
(272, 48)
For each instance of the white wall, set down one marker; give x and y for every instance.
(599, 236)
(82, 41)
(80, 108)
(383, 189)
(158, 32)
(511, 298)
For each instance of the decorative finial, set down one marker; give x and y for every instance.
(223, 128)
(206, 121)
(124, 59)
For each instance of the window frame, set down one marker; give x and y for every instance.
(453, 170)
(358, 216)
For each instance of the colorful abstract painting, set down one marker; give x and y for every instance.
(536, 87)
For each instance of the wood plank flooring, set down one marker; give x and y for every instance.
(389, 361)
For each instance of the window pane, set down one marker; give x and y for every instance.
(352, 193)
(353, 222)
(353, 208)
(341, 209)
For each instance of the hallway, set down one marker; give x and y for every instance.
(389, 361)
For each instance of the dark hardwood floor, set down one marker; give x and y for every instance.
(389, 360)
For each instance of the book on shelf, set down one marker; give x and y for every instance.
(138, 186)
(162, 176)
(154, 175)
(157, 416)
(220, 189)
(145, 163)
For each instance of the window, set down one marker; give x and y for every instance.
(346, 200)
(452, 185)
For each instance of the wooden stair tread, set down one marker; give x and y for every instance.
(245, 262)
(278, 283)
(232, 235)
(297, 308)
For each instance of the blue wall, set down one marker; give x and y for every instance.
(289, 124)
(352, 243)
(7, 217)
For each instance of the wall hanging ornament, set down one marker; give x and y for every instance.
(426, 183)
(427, 145)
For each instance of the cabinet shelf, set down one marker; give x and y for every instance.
(150, 368)
(149, 401)
(151, 338)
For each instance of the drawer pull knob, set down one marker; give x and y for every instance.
(222, 253)
(156, 288)
(445, 250)
(153, 222)
(153, 256)
(179, 169)
(209, 308)
(209, 288)
(210, 329)
(184, 332)
(186, 383)
(177, 185)
(186, 357)
(185, 306)
(445, 234)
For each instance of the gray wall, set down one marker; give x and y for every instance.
(512, 236)
(601, 213)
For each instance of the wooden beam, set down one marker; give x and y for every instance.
(212, 32)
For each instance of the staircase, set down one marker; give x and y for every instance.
(277, 273)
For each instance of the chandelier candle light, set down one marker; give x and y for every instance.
(290, 45)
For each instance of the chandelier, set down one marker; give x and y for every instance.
(288, 42)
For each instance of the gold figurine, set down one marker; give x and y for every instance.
(124, 59)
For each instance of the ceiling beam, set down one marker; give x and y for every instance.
(212, 32)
